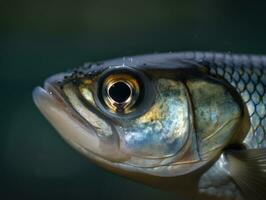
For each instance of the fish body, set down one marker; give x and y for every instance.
(192, 122)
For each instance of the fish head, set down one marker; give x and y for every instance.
(133, 117)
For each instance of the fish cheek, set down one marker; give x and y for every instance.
(163, 130)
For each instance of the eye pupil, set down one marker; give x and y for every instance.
(119, 92)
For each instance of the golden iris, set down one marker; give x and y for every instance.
(120, 92)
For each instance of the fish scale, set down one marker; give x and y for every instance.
(250, 81)
(247, 74)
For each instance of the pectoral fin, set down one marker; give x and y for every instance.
(248, 170)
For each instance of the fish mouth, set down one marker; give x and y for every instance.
(62, 117)
(75, 130)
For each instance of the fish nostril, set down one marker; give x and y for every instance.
(119, 91)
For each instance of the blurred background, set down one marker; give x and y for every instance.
(40, 38)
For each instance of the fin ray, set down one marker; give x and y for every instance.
(248, 170)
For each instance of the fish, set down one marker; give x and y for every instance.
(193, 123)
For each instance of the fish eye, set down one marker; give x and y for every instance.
(123, 92)
(120, 92)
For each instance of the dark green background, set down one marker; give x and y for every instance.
(40, 38)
